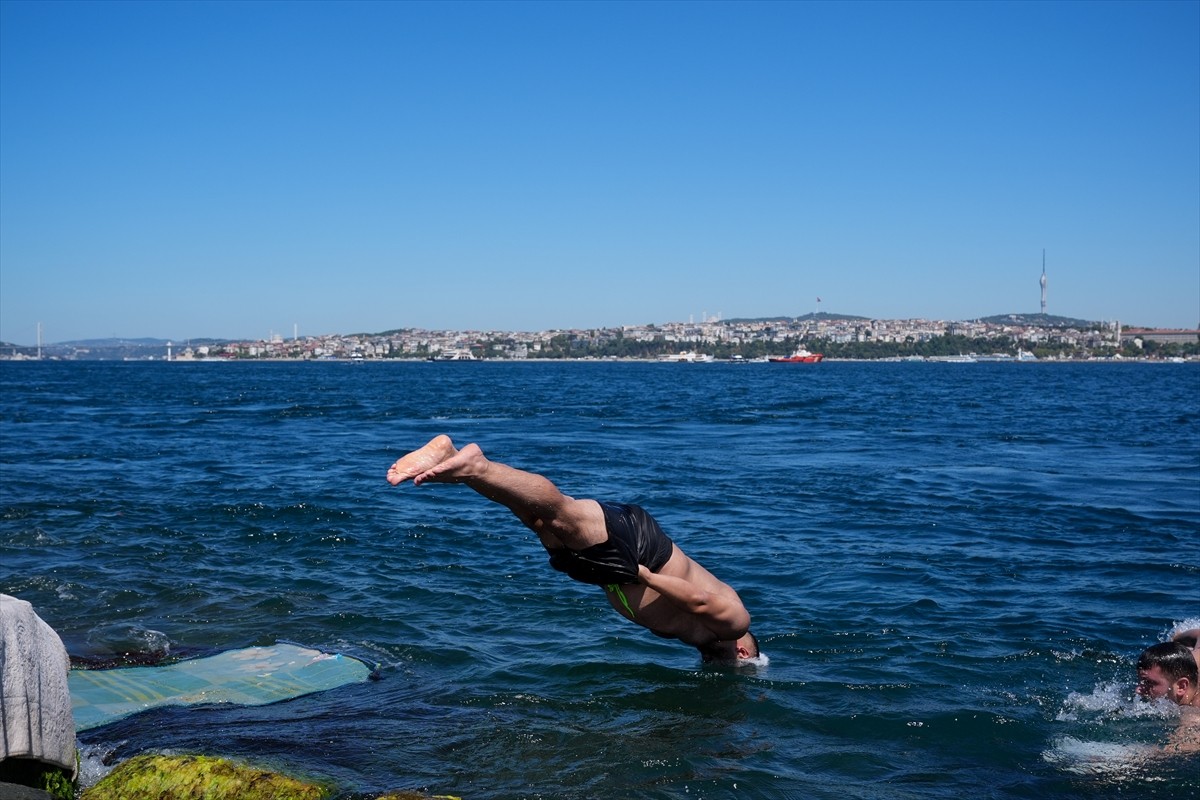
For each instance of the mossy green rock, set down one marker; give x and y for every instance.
(157, 777)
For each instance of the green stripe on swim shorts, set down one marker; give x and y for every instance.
(615, 588)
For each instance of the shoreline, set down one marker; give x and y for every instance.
(614, 360)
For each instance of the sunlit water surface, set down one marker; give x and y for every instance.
(950, 566)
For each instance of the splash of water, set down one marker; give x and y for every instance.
(94, 763)
(1113, 700)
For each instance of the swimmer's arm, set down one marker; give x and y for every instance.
(1186, 739)
(722, 612)
(1188, 638)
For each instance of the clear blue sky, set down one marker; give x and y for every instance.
(232, 169)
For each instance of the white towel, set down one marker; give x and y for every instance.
(36, 703)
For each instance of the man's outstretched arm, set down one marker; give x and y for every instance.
(721, 611)
(1188, 638)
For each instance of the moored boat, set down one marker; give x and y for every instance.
(686, 357)
(801, 356)
(460, 354)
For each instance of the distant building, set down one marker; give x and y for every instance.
(1162, 336)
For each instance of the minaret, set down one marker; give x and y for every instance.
(1043, 281)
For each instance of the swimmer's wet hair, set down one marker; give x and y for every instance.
(754, 640)
(1173, 658)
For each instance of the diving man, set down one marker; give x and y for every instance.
(646, 577)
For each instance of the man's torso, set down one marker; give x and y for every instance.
(658, 614)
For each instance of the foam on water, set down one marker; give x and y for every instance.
(759, 662)
(95, 763)
(1114, 700)
(1097, 758)
(1191, 623)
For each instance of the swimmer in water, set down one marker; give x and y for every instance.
(647, 578)
(1168, 669)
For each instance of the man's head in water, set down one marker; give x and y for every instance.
(1168, 670)
(731, 651)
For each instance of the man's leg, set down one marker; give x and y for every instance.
(557, 519)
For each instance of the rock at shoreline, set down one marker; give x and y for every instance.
(188, 777)
(161, 777)
(15, 791)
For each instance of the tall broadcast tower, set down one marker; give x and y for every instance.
(1043, 280)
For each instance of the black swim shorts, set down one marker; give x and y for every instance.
(633, 538)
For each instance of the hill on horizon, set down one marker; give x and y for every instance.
(1042, 320)
(820, 316)
(109, 349)
(120, 341)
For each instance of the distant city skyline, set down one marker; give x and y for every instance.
(193, 169)
(704, 319)
(1023, 337)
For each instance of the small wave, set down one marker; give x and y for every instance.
(124, 644)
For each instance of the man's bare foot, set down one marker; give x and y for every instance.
(439, 449)
(439, 462)
(468, 462)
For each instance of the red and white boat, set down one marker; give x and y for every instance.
(801, 356)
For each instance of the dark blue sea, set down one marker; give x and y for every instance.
(951, 568)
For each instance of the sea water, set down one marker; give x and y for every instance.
(951, 568)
